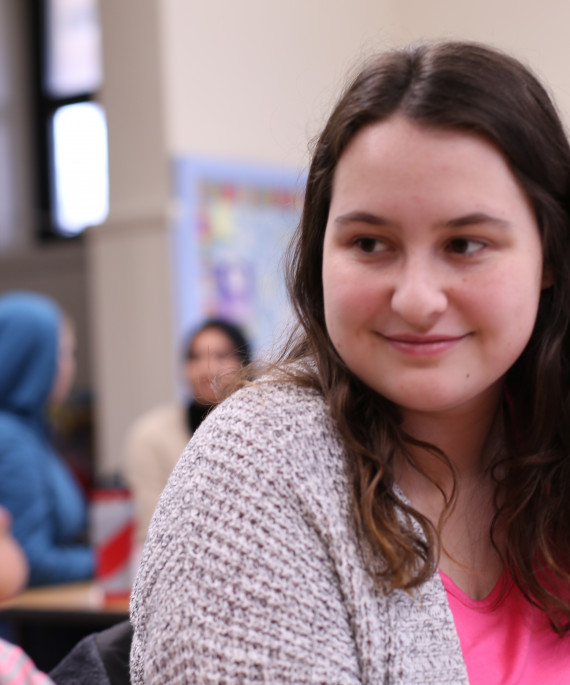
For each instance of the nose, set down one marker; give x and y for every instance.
(419, 296)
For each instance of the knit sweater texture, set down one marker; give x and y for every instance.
(253, 571)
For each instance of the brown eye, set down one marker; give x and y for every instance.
(367, 244)
(464, 246)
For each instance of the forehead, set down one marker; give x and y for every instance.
(398, 160)
(398, 138)
(211, 338)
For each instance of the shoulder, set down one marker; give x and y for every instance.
(246, 531)
(162, 417)
(268, 442)
(274, 421)
(274, 407)
(11, 424)
(272, 437)
(19, 442)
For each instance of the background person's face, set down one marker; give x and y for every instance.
(211, 364)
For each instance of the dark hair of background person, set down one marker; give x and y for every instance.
(231, 330)
(196, 412)
(474, 89)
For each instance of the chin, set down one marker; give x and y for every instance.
(439, 404)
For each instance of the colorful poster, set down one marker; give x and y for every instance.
(233, 225)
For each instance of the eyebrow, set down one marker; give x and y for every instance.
(476, 218)
(472, 219)
(361, 217)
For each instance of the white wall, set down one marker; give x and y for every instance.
(253, 79)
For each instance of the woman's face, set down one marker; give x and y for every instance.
(212, 362)
(432, 265)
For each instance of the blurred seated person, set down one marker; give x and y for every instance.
(212, 355)
(47, 506)
(15, 665)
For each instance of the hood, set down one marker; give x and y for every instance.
(29, 335)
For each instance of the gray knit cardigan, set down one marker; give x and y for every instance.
(252, 571)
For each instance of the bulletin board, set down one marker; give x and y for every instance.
(233, 224)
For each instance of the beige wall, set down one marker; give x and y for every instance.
(253, 79)
(269, 70)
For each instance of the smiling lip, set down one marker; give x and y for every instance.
(423, 346)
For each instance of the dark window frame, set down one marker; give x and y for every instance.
(44, 107)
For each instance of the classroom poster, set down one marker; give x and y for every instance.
(233, 224)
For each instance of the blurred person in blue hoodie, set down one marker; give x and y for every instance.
(48, 508)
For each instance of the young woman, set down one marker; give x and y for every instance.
(390, 504)
(214, 352)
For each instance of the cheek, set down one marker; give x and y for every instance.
(350, 292)
(505, 307)
(215, 367)
(231, 367)
(189, 373)
(337, 302)
(349, 308)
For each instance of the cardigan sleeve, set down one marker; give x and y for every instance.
(236, 582)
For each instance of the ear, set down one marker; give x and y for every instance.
(547, 278)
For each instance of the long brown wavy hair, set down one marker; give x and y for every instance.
(473, 88)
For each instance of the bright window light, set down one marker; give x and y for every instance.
(81, 167)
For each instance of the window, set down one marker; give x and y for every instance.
(71, 126)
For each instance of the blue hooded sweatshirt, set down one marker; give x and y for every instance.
(49, 510)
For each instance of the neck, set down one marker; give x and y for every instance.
(468, 436)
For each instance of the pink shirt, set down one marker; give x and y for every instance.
(508, 644)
